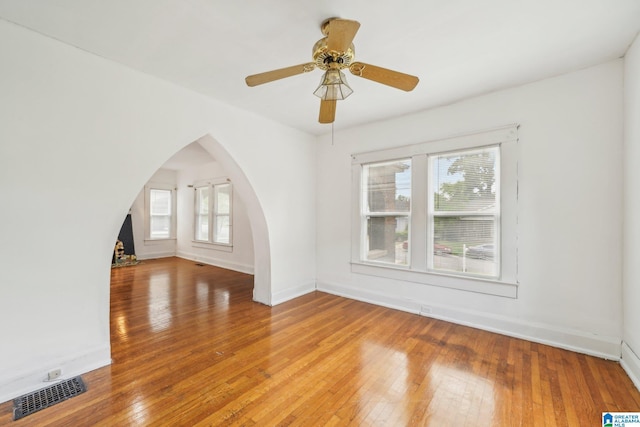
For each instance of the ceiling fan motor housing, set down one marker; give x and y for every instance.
(326, 59)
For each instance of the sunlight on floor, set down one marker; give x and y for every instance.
(160, 315)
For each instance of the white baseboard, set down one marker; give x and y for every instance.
(569, 339)
(293, 292)
(630, 362)
(28, 382)
(370, 297)
(216, 262)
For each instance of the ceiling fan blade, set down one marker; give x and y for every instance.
(269, 76)
(341, 33)
(327, 111)
(387, 77)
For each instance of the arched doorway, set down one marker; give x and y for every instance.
(253, 210)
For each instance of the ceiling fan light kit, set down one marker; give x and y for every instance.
(332, 54)
(333, 86)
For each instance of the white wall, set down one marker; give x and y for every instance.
(240, 258)
(631, 271)
(79, 137)
(151, 248)
(570, 211)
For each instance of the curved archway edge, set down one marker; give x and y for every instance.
(259, 230)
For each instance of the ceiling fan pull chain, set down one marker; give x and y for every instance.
(332, 133)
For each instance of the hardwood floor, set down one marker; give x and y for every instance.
(189, 348)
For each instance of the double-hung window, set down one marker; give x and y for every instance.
(213, 213)
(442, 213)
(160, 205)
(222, 213)
(464, 212)
(386, 212)
(202, 217)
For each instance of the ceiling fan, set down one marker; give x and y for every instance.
(333, 53)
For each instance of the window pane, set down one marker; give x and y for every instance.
(202, 201)
(160, 202)
(465, 181)
(387, 239)
(223, 193)
(222, 229)
(202, 227)
(160, 227)
(202, 214)
(387, 186)
(160, 213)
(465, 244)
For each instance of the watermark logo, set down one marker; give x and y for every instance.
(620, 419)
(607, 420)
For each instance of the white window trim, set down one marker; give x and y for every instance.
(506, 285)
(147, 211)
(210, 244)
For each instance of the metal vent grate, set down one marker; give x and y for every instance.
(49, 396)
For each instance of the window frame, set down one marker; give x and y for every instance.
(367, 214)
(148, 213)
(217, 215)
(432, 214)
(417, 270)
(197, 214)
(212, 242)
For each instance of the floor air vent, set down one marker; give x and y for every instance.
(49, 396)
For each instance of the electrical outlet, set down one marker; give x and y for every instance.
(426, 309)
(54, 374)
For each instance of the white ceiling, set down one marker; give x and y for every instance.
(458, 48)
(190, 156)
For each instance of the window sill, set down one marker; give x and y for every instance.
(212, 246)
(463, 283)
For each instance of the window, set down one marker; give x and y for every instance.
(160, 213)
(213, 213)
(222, 213)
(202, 214)
(442, 213)
(387, 208)
(464, 212)
(160, 207)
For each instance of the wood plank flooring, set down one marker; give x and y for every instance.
(190, 348)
